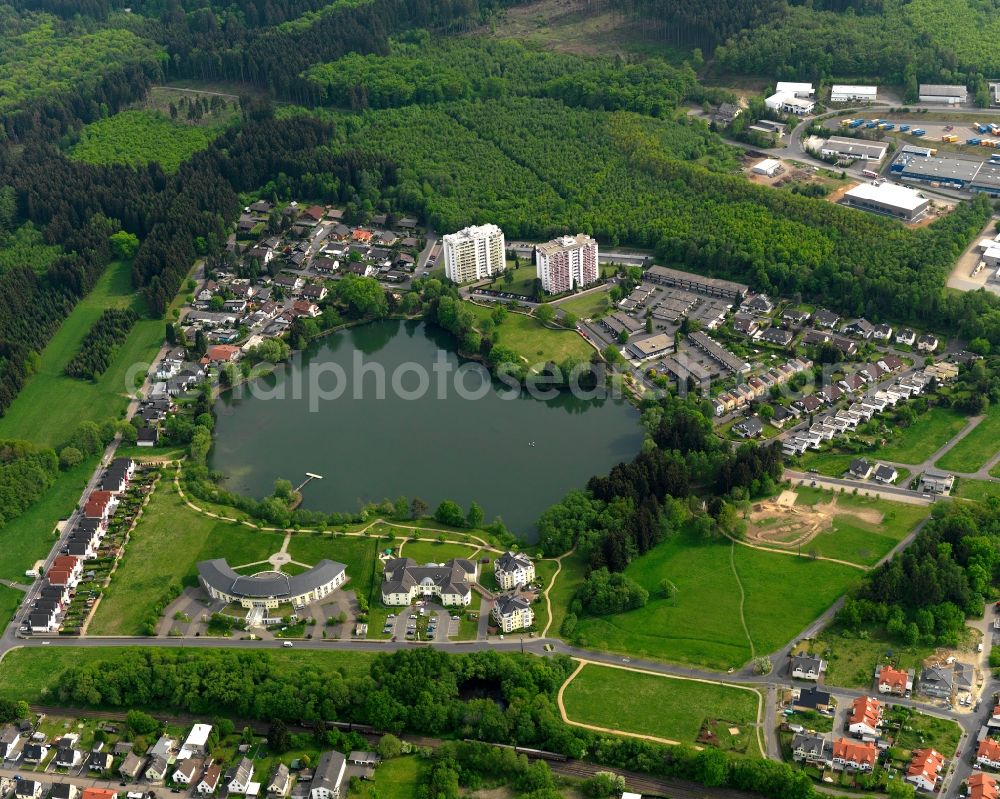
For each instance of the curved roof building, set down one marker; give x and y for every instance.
(268, 589)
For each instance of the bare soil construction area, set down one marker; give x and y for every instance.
(782, 523)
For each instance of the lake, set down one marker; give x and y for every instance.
(514, 456)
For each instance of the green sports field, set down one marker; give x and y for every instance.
(649, 704)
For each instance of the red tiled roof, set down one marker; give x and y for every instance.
(982, 786)
(894, 678)
(866, 710)
(855, 751)
(989, 749)
(926, 762)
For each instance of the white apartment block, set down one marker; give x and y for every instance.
(567, 263)
(474, 253)
(513, 569)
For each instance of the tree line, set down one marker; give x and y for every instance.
(101, 343)
(26, 472)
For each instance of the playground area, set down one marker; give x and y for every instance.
(782, 523)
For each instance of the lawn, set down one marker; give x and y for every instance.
(51, 405)
(975, 450)
(589, 306)
(523, 282)
(434, 552)
(851, 661)
(535, 343)
(978, 490)
(10, 600)
(565, 586)
(30, 536)
(701, 625)
(924, 437)
(357, 553)
(666, 707)
(164, 549)
(394, 779)
(919, 731)
(33, 673)
(142, 136)
(832, 464)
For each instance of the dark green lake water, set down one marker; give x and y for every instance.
(370, 448)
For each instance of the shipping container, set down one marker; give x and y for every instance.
(973, 141)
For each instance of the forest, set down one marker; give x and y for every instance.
(26, 471)
(925, 593)
(101, 342)
(488, 696)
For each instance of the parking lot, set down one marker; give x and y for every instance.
(422, 621)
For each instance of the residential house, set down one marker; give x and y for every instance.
(882, 332)
(131, 766)
(100, 761)
(808, 404)
(857, 755)
(807, 667)
(726, 113)
(749, 428)
(314, 292)
(927, 343)
(63, 790)
(197, 740)
(781, 416)
(67, 755)
(988, 753)
(239, 777)
(794, 317)
(209, 779)
(28, 789)
(891, 363)
(981, 786)
(280, 783)
(369, 759)
(305, 308)
(861, 328)
(894, 681)
(885, 474)
(932, 482)
(165, 747)
(328, 776)
(221, 353)
(924, 770)
(776, 336)
(860, 469)
(34, 752)
(187, 770)
(513, 569)
(816, 750)
(825, 318)
(745, 324)
(513, 613)
(811, 698)
(157, 769)
(289, 283)
(906, 337)
(9, 739)
(937, 681)
(865, 718)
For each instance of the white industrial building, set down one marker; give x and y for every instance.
(788, 103)
(948, 95)
(851, 94)
(804, 90)
(992, 256)
(474, 253)
(769, 167)
(567, 263)
(854, 149)
(887, 198)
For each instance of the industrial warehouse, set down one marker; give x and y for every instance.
(952, 171)
(850, 94)
(887, 198)
(854, 149)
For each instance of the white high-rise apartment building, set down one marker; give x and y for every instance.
(474, 253)
(567, 263)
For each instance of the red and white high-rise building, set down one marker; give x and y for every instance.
(567, 263)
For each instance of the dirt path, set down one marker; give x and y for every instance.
(795, 554)
(584, 662)
(743, 596)
(552, 582)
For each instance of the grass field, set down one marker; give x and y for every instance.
(10, 600)
(853, 539)
(398, 778)
(33, 674)
(142, 136)
(51, 404)
(358, 554)
(975, 450)
(523, 282)
(565, 586)
(30, 536)
(701, 624)
(649, 704)
(165, 546)
(534, 342)
(832, 464)
(851, 662)
(977, 490)
(589, 306)
(924, 437)
(434, 552)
